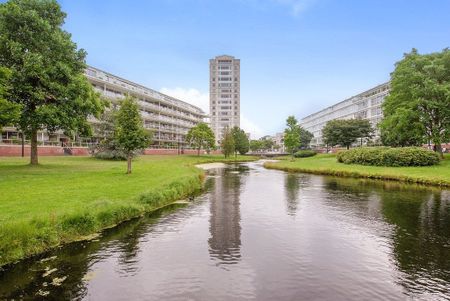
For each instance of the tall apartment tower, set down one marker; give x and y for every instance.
(224, 93)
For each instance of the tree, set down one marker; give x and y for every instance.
(227, 144)
(305, 138)
(255, 145)
(9, 111)
(201, 136)
(129, 130)
(241, 143)
(346, 132)
(402, 128)
(292, 135)
(104, 130)
(419, 101)
(47, 70)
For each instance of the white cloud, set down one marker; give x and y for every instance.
(249, 127)
(297, 6)
(192, 96)
(201, 100)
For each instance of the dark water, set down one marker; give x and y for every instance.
(260, 235)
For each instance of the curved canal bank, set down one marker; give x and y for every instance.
(258, 234)
(437, 175)
(68, 199)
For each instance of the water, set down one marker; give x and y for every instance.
(260, 234)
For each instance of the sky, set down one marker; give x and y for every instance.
(297, 56)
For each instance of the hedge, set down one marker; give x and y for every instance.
(305, 153)
(385, 156)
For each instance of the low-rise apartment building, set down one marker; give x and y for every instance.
(366, 105)
(167, 117)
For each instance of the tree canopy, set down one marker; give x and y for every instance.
(292, 135)
(129, 130)
(47, 70)
(201, 136)
(241, 143)
(418, 106)
(346, 132)
(227, 144)
(9, 111)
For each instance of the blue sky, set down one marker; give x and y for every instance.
(297, 56)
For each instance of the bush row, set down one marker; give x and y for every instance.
(305, 153)
(385, 156)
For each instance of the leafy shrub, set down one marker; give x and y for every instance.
(110, 155)
(385, 156)
(305, 154)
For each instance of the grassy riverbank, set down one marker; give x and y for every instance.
(67, 198)
(438, 175)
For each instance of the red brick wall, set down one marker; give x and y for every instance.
(16, 150)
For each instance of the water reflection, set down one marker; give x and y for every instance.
(292, 188)
(420, 236)
(350, 240)
(224, 222)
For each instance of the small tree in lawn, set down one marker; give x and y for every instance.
(227, 144)
(201, 136)
(292, 135)
(129, 132)
(241, 143)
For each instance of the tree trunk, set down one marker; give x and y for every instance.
(129, 164)
(438, 149)
(198, 152)
(34, 148)
(348, 146)
(23, 145)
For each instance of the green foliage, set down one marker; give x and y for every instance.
(9, 111)
(227, 144)
(256, 145)
(346, 132)
(107, 147)
(292, 135)
(201, 136)
(47, 68)
(241, 143)
(305, 138)
(130, 134)
(418, 106)
(384, 156)
(305, 153)
(326, 164)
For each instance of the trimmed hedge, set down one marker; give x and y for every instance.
(305, 154)
(385, 156)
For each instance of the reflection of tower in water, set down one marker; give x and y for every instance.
(224, 222)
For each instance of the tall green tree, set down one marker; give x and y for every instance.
(201, 136)
(346, 132)
(305, 138)
(419, 100)
(256, 145)
(47, 70)
(227, 144)
(9, 111)
(130, 133)
(292, 135)
(241, 142)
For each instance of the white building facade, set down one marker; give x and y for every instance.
(224, 94)
(366, 105)
(168, 118)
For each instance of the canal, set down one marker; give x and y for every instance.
(258, 234)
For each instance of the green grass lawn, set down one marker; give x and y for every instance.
(65, 198)
(327, 164)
